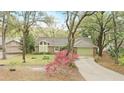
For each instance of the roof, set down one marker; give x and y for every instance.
(84, 42)
(53, 41)
(9, 40)
(17, 41)
(80, 42)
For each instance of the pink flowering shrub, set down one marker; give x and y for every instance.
(61, 62)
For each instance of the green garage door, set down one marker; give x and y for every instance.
(85, 51)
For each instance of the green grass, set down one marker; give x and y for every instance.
(121, 56)
(30, 60)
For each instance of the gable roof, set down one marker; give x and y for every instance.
(80, 42)
(84, 42)
(16, 41)
(9, 40)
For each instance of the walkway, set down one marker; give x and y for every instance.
(92, 71)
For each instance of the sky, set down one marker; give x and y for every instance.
(59, 16)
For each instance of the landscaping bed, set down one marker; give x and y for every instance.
(109, 63)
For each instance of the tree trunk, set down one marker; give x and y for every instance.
(100, 46)
(3, 46)
(24, 48)
(71, 41)
(100, 51)
(116, 50)
(116, 59)
(4, 28)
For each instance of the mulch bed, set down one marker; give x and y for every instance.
(25, 73)
(108, 62)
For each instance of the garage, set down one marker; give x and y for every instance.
(85, 47)
(85, 51)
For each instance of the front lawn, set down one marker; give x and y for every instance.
(31, 59)
(33, 69)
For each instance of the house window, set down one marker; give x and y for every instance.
(56, 49)
(45, 43)
(41, 43)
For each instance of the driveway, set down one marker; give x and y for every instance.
(92, 71)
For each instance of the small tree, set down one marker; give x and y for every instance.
(28, 20)
(30, 42)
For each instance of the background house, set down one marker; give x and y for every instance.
(83, 46)
(13, 46)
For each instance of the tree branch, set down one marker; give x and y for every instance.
(67, 19)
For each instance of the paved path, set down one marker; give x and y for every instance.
(92, 71)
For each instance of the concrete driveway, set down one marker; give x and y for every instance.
(92, 71)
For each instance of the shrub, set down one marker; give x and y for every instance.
(41, 53)
(121, 60)
(61, 62)
(46, 57)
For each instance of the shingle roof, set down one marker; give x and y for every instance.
(84, 42)
(54, 41)
(8, 40)
(80, 42)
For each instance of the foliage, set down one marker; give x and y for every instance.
(64, 48)
(121, 60)
(111, 52)
(61, 62)
(30, 43)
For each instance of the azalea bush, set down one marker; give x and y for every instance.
(61, 62)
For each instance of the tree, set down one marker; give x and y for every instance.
(118, 34)
(103, 21)
(4, 19)
(51, 23)
(28, 20)
(30, 42)
(73, 21)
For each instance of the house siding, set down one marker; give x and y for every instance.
(51, 49)
(37, 49)
(13, 47)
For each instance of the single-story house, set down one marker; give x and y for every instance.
(83, 46)
(13, 46)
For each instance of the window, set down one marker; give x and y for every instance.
(41, 43)
(45, 43)
(56, 49)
